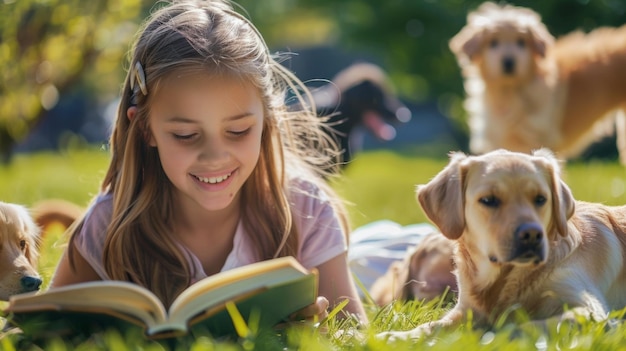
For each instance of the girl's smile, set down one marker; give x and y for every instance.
(214, 183)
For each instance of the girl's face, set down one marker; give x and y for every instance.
(208, 133)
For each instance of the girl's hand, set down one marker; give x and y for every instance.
(312, 313)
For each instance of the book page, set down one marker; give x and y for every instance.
(124, 297)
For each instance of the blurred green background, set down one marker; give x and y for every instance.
(63, 61)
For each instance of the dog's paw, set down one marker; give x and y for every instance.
(393, 336)
(415, 333)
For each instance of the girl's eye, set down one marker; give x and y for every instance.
(239, 133)
(184, 137)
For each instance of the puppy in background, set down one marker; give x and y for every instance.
(360, 97)
(425, 273)
(525, 90)
(19, 240)
(524, 241)
(49, 212)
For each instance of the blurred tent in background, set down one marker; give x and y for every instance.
(64, 60)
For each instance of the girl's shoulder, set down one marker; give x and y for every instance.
(101, 206)
(302, 189)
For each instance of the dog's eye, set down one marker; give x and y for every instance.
(540, 200)
(22, 244)
(493, 43)
(521, 43)
(489, 201)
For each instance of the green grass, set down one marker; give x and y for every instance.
(379, 185)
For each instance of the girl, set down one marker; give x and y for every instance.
(209, 169)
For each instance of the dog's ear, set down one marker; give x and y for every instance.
(407, 274)
(34, 234)
(390, 286)
(442, 198)
(402, 285)
(541, 38)
(466, 44)
(563, 204)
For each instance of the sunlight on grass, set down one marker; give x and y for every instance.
(378, 185)
(73, 175)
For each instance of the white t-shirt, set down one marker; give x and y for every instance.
(321, 236)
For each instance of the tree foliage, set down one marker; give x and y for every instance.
(50, 46)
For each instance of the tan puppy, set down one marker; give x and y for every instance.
(49, 211)
(526, 91)
(425, 273)
(522, 240)
(19, 237)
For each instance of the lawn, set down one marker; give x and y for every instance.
(378, 185)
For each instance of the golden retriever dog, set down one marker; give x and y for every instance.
(522, 240)
(19, 236)
(525, 90)
(425, 273)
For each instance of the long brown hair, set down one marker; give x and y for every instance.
(211, 36)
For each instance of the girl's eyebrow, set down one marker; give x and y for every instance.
(240, 116)
(179, 119)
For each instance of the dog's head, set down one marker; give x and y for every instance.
(366, 98)
(504, 42)
(508, 206)
(430, 269)
(425, 272)
(19, 237)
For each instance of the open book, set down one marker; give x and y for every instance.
(272, 289)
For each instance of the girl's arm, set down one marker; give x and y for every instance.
(66, 275)
(336, 284)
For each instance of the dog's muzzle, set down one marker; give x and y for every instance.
(528, 244)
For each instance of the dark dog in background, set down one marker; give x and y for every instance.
(360, 97)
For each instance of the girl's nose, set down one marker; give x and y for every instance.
(213, 149)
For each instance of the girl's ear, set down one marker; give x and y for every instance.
(131, 112)
(147, 136)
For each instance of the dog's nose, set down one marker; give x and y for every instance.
(529, 234)
(508, 65)
(30, 283)
(528, 243)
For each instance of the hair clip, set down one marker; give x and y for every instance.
(138, 74)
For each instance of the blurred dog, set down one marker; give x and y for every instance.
(55, 211)
(424, 274)
(19, 240)
(526, 91)
(360, 97)
(522, 240)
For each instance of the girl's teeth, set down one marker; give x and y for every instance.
(213, 180)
